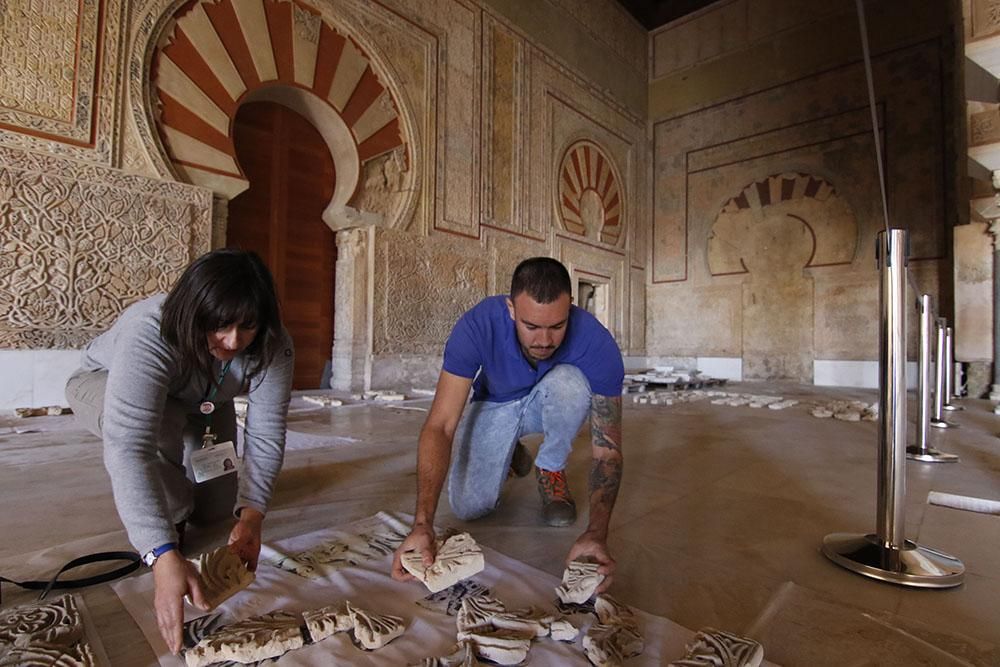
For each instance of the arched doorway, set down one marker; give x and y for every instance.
(773, 233)
(279, 217)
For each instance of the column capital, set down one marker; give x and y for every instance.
(994, 231)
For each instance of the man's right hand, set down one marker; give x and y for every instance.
(174, 577)
(421, 539)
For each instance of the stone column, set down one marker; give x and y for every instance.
(220, 220)
(349, 366)
(995, 386)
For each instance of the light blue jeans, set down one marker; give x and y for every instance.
(486, 435)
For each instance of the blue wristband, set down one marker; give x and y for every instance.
(150, 556)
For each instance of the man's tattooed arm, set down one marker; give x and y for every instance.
(606, 469)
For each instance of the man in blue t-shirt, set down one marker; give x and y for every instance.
(535, 364)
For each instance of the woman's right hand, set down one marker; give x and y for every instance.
(174, 577)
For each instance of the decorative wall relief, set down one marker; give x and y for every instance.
(80, 243)
(422, 287)
(59, 76)
(589, 201)
(985, 17)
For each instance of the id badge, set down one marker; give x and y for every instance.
(214, 461)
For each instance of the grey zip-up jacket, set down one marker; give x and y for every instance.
(142, 373)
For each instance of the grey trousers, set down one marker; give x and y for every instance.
(199, 503)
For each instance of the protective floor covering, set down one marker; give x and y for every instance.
(721, 509)
(358, 573)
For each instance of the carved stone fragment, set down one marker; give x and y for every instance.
(563, 631)
(458, 557)
(251, 640)
(373, 631)
(45, 655)
(49, 634)
(325, 401)
(715, 648)
(612, 612)
(327, 621)
(57, 623)
(222, 575)
(504, 647)
(608, 645)
(531, 622)
(616, 636)
(375, 537)
(462, 655)
(477, 612)
(449, 601)
(579, 582)
(599, 647)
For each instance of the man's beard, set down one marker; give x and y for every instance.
(528, 352)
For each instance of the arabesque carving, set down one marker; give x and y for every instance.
(81, 242)
(423, 287)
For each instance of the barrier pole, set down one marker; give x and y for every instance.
(937, 419)
(949, 371)
(922, 450)
(887, 555)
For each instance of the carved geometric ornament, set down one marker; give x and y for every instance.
(57, 76)
(220, 51)
(589, 201)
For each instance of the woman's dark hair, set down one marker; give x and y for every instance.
(543, 278)
(219, 289)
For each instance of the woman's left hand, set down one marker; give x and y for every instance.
(244, 540)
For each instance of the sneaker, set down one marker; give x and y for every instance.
(521, 462)
(558, 508)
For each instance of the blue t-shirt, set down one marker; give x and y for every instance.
(485, 338)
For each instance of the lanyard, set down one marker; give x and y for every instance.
(207, 407)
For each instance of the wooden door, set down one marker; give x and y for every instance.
(279, 217)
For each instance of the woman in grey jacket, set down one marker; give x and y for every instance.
(158, 388)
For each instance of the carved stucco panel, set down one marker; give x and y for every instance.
(506, 252)
(63, 88)
(422, 287)
(80, 243)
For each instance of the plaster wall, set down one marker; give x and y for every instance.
(114, 118)
(766, 199)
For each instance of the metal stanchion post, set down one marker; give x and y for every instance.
(887, 555)
(922, 451)
(940, 371)
(949, 371)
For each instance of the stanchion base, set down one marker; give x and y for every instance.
(912, 565)
(929, 455)
(951, 407)
(940, 423)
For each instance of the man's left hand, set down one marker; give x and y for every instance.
(594, 548)
(244, 539)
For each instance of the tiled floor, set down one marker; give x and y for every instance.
(719, 521)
